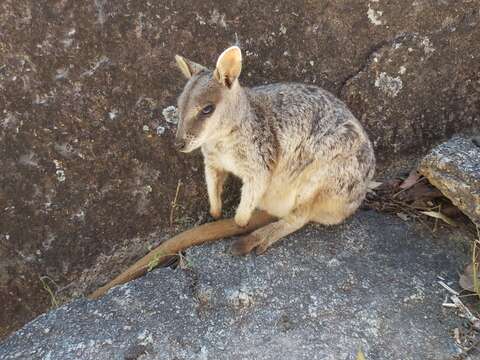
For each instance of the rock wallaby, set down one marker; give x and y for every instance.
(300, 153)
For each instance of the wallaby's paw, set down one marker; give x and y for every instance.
(241, 219)
(244, 245)
(262, 247)
(216, 213)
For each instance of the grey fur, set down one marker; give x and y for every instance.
(301, 154)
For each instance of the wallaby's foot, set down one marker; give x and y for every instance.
(244, 245)
(242, 219)
(263, 238)
(216, 213)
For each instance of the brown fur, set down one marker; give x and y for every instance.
(300, 153)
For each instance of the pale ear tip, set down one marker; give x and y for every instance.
(227, 50)
(235, 48)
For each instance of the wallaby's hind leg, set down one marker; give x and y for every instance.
(333, 210)
(266, 236)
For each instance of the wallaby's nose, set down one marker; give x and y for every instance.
(179, 144)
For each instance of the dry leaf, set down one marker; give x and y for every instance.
(420, 192)
(373, 185)
(456, 335)
(466, 279)
(402, 216)
(451, 211)
(390, 185)
(411, 180)
(466, 282)
(360, 355)
(422, 205)
(439, 215)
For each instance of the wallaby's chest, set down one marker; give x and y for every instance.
(228, 162)
(225, 158)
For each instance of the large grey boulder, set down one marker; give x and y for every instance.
(323, 293)
(454, 168)
(88, 170)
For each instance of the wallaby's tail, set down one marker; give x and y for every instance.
(196, 236)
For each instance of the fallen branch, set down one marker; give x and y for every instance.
(201, 234)
(465, 310)
(448, 288)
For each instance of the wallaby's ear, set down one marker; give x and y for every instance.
(229, 66)
(188, 67)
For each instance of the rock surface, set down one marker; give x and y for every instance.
(88, 170)
(454, 168)
(322, 293)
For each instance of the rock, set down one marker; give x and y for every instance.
(405, 95)
(324, 292)
(454, 168)
(88, 168)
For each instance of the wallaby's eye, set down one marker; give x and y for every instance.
(207, 110)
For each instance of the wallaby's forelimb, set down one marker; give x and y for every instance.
(196, 236)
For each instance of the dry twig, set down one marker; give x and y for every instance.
(174, 202)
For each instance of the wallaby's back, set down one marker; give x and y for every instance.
(310, 123)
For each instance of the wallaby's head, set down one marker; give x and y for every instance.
(208, 99)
